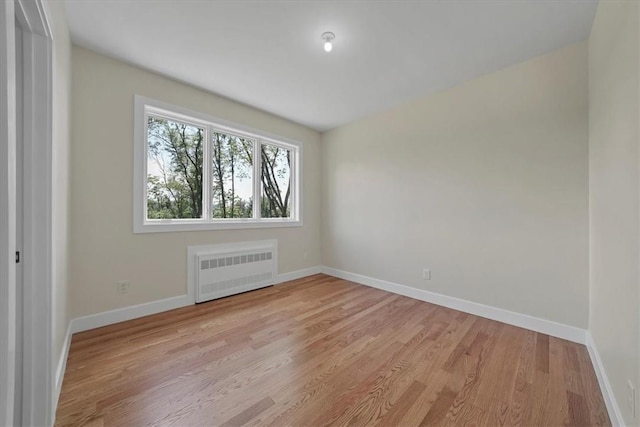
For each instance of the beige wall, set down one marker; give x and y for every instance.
(60, 220)
(103, 246)
(613, 193)
(485, 184)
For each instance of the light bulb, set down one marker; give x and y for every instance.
(328, 38)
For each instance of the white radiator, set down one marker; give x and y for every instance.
(229, 269)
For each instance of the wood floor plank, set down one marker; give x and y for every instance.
(542, 353)
(438, 412)
(249, 413)
(417, 412)
(325, 351)
(557, 406)
(523, 384)
(578, 410)
(469, 415)
(537, 409)
(399, 409)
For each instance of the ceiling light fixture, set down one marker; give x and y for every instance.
(328, 37)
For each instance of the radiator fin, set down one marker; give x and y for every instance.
(235, 260)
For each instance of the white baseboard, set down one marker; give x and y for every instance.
(605, 387)
(570, 333)
(298, 274)
(105, 318)
(93, 321)
(61, 368)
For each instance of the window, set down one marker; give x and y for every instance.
(194, 172)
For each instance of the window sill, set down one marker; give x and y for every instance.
(178, 226)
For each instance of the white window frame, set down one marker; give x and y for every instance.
(144, 106)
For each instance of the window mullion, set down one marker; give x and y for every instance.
(145, 166)
(206, 176)
(257, 179)
(293, 184)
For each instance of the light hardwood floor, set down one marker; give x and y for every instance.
(325, 351)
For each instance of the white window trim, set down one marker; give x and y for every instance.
(140, 222)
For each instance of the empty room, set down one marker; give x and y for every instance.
(314, 213)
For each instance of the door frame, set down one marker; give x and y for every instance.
(7, 212)
(37, 254)
(17, 407)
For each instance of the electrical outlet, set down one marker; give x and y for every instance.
(426, 274)
(122, 286)
(631, 399)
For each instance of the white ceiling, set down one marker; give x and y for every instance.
(269, 54)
